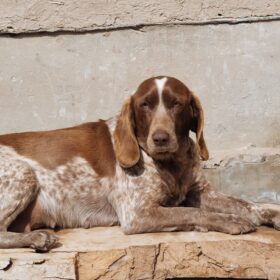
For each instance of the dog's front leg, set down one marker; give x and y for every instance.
(158, 219)
(205, 198)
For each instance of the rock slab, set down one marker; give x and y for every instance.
(105, 253)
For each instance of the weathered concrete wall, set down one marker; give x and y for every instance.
(56, 15)
(55, 81)
(252, 173)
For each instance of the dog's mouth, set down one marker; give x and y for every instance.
(158, 152)
(162, 152)
(162, 155)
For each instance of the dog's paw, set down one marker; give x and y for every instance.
(270, 217)
(42, 241)
(237, 225)
(276, 221)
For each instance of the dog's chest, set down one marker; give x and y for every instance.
(177, 181)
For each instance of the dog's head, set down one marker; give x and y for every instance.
(158, 118)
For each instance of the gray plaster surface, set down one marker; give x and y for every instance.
(48, 82)
(52, 81)
(70, 15)
(252, 174)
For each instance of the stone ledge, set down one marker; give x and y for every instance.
(106, 253)
(60, 15)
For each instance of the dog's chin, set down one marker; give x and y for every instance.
(162, 153)
(159, 153)
(162, 156)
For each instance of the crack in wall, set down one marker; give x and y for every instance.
(137, 27)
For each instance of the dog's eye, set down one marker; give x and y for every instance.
(145, 105)
(176, 103)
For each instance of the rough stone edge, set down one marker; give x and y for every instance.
(253, 155)
(246, 164)
(227, 259)
(194, 259)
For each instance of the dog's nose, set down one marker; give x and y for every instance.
(160, 138)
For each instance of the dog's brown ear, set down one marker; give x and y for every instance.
(127, 148)
(197, 125)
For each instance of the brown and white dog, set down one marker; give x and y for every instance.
(139, 170)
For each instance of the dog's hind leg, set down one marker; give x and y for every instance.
(18, 188)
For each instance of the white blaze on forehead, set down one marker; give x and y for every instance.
(160, 83)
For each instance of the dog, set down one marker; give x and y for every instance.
(139, 170)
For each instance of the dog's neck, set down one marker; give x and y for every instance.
(178, 161)
(177, 174)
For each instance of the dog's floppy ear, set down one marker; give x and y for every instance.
(197, 125)
(127, 148)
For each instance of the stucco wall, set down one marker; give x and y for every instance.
(71, 15)
(54, 81)
(51, 80)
